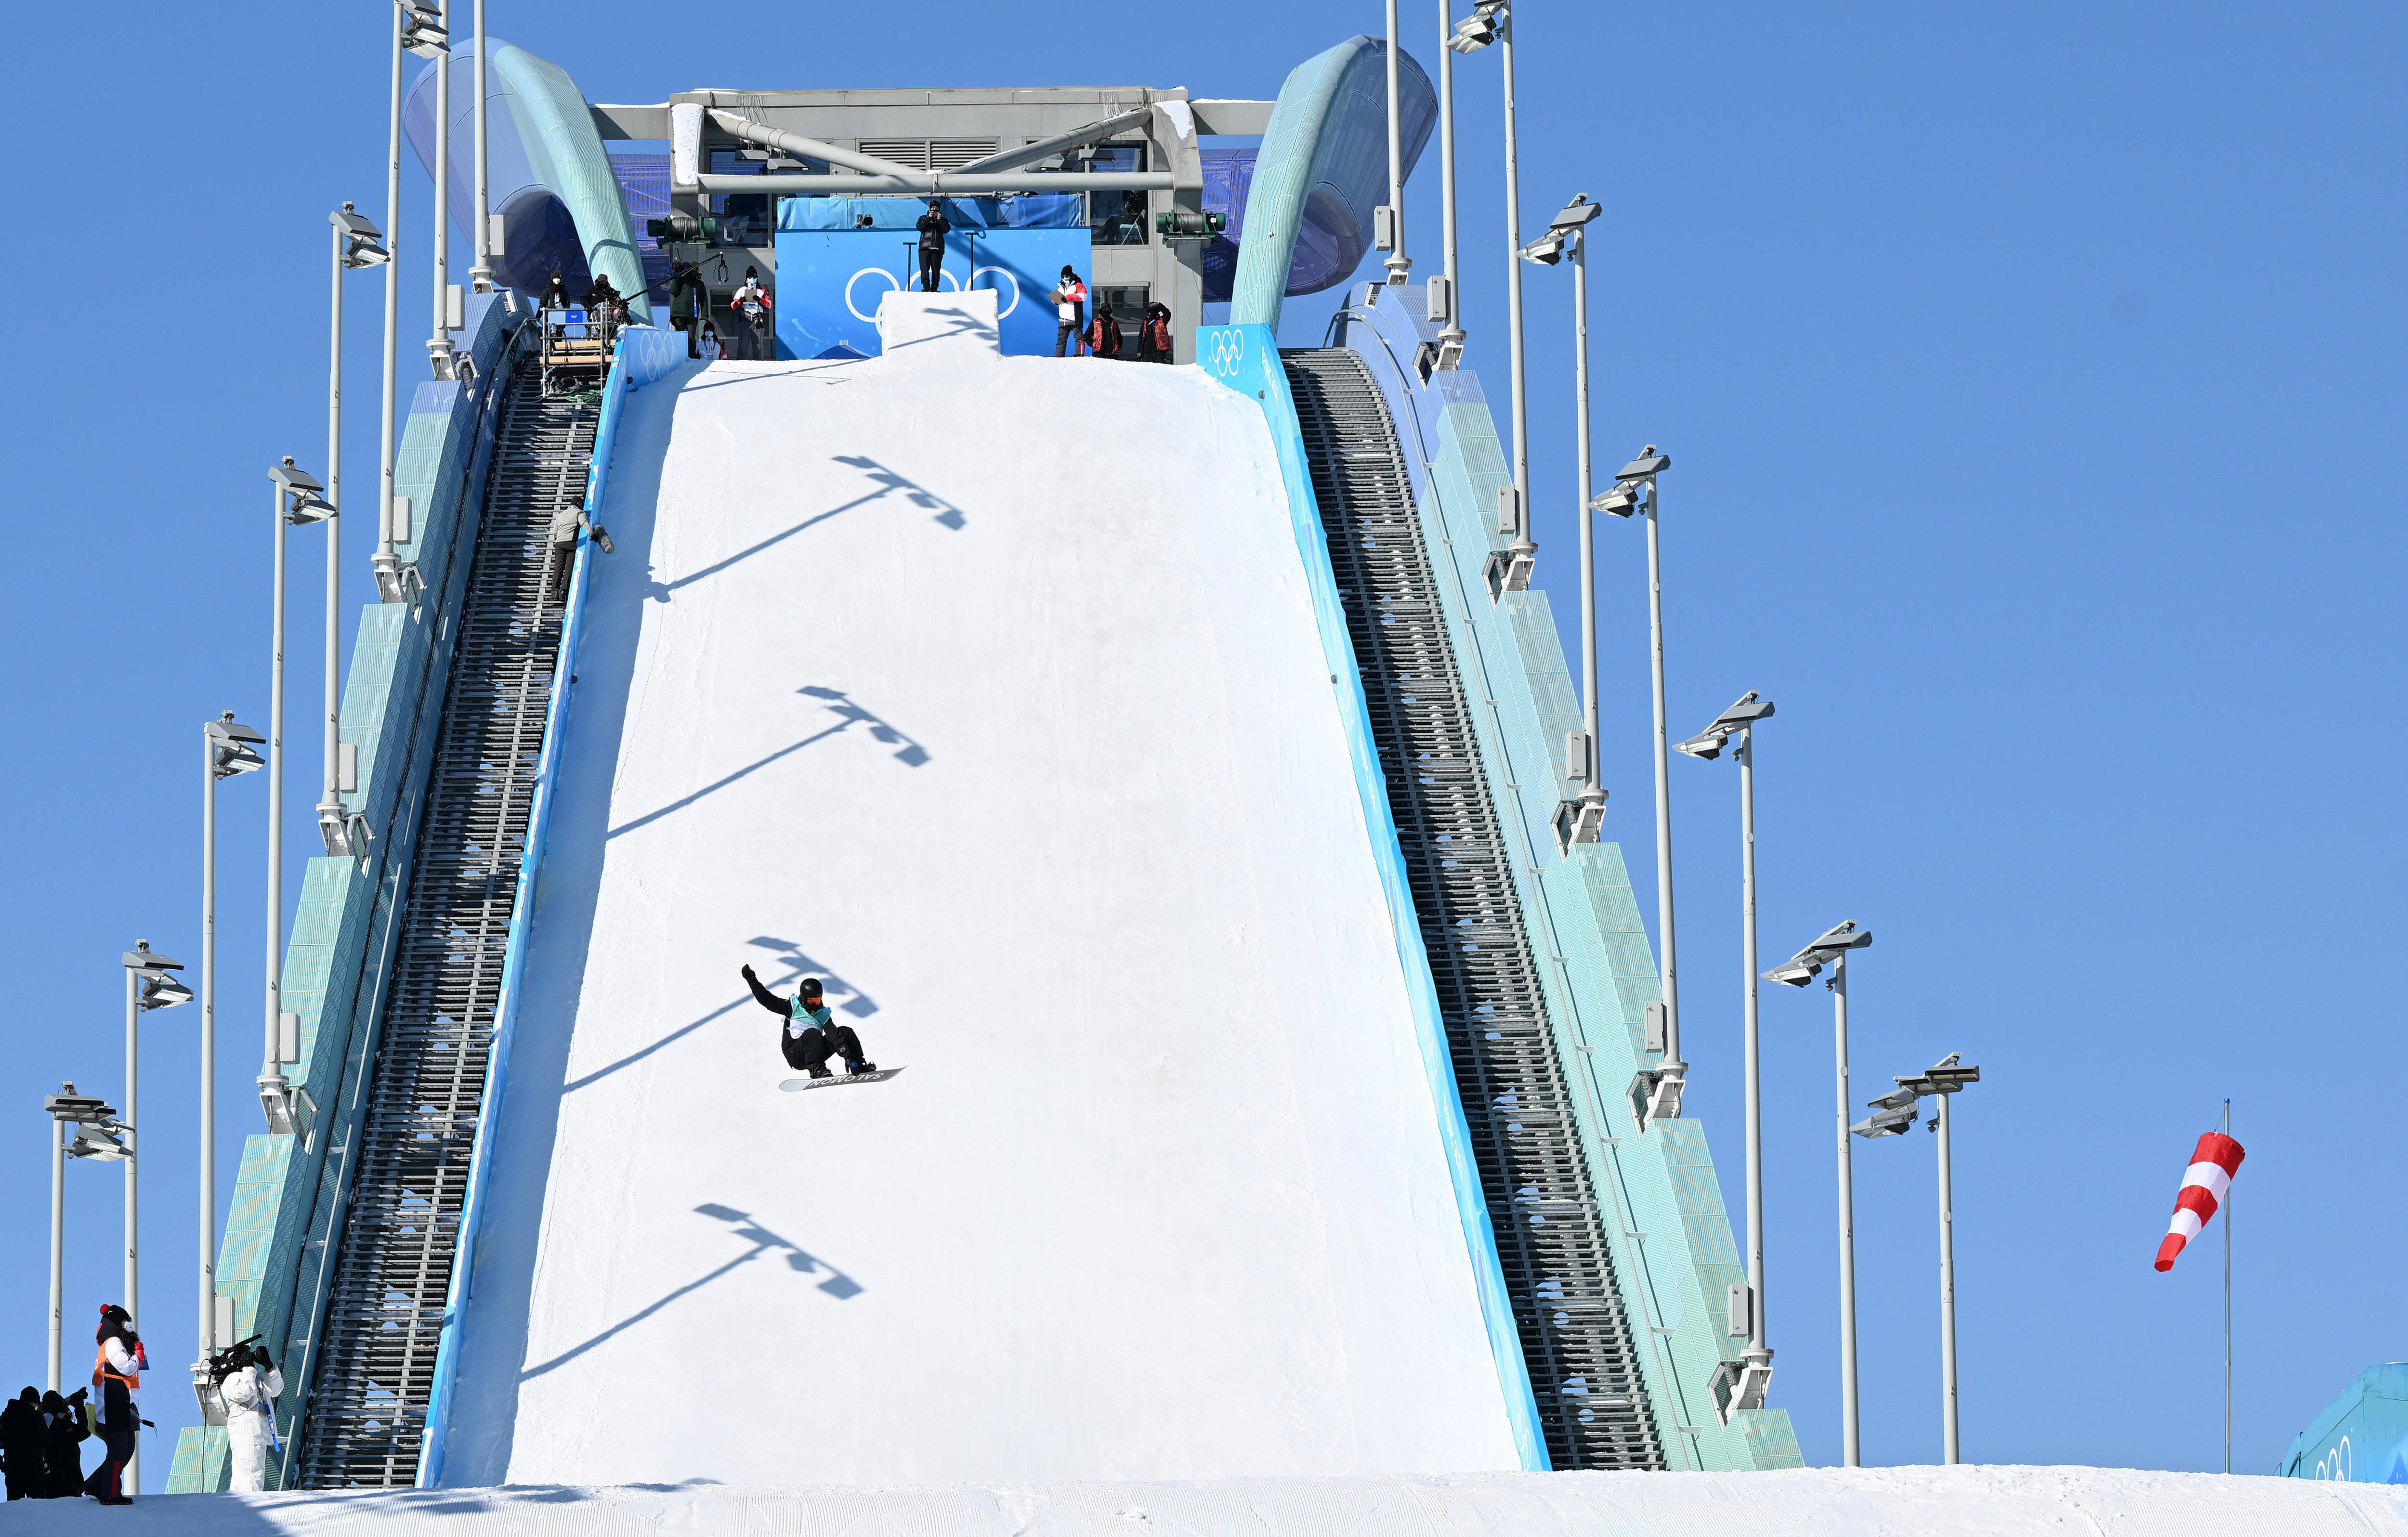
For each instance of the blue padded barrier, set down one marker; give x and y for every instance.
(1246, 359)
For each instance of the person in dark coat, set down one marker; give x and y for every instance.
(556, 293)
(934, 227)
(23, 1431)
(1153, 337)
(689, 296)
(812, 1036)
(601, 296)
(63, 1439)
(1104, 332)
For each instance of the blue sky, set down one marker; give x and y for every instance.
(2029, 375)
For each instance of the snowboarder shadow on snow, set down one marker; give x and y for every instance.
(839, 1285)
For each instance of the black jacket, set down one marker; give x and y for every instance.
(934, 227)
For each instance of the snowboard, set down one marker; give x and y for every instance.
(793, 1085)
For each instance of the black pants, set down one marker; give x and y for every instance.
(116, 1435)
(693, 334)
(23, 1468)
(816, 1047)
(931, 264)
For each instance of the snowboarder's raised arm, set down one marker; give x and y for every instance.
(766, 999)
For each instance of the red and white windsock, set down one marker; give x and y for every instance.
(2213, 1165)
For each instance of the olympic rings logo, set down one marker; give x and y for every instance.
(952, 285)
(1229, 352)
(2339, 1463)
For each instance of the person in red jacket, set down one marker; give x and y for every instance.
(1104, 333)
(1153, 337)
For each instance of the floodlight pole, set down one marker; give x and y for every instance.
(1399, 263)
(329, 804)
(481, 275)
(58, 1242)
(1587, 516)
(1759, 1353)
(1524, 547)
(132, 1292)
(208, 1181)
(392, 300)
(274, 1000)
(439, 346)
(1850, 1451)
(1947, 1297)
(1673, 1066)
(1454, 328)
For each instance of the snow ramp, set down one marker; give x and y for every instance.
(989, 691)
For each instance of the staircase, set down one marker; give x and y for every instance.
(368, 1390)
(1576, 1333)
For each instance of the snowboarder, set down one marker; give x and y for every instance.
(934, 226)
(812, 1036)
(117, 1364)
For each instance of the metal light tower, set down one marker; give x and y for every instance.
(1442, 306)
(417, 28)
(96, 1132)
(1399, 263)
(1943, 1079)
(1492, 22)
(1656, 1092)
(225, 752)
(1581, 819)
(357, 244)
(1747, 1387)
(295, 497)
(1831, 949)
(148, 985)
(439, 345)
(481, 275)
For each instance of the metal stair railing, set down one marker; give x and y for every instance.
(1575, 1326)
(364, 1420)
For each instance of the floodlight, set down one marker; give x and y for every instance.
(1840, 936)
(163, 993)
(1708, 745)
(98, 1141)
(360, 238)
(422, 31)
(1547, 249)
(1645, 467)
(1890, 1123)
(1896, 1099)
(1801, 968)
(145, 961)
(304, 498)
(1473, 32)
(1796, 974)
(1622, 501)
(233, 745)
(1948, 1080)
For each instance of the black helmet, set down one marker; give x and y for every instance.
(810, 987)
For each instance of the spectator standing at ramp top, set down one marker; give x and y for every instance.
(21, 1432)
(934, 227)
(118, 1360)
(1153, 337)
(1069, 302)
(811, 1035)
(1104, 332)
(555, 293)
(64, 1434)
(688, 295)
(751, 306)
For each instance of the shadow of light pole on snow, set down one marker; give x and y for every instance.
(850, 715)
(839, 1285)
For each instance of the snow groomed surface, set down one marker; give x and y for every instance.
(988, 690)
(1962, 1501)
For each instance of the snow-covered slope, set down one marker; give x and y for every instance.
(1966, 1501)
(987, 689)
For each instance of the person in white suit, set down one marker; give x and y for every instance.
(248, 1393)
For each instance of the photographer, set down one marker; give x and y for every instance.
(245, 1385)
(64, 1434)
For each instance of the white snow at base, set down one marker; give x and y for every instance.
(988, 689)
(1961, 1502)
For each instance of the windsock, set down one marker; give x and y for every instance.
(2213, 1165)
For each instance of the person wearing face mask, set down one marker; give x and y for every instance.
(934, 227)
(811, 1035)
(1070, 311)
(118, 1360)
(751, 306)
(555, 293)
